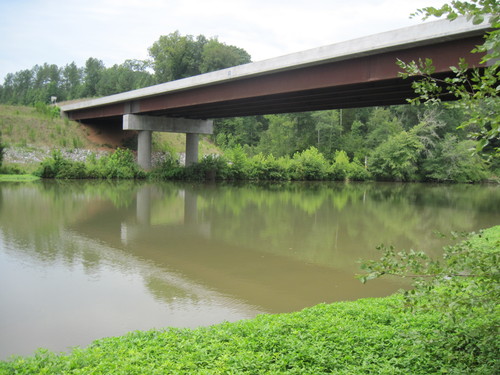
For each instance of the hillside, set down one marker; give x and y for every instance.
(32, 133)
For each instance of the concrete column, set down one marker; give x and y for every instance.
(191, 149)
(144, 149)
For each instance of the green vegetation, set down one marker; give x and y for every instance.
(378, 336)
(39, 126)
(18, 177)
(118, 165)
(476, 90)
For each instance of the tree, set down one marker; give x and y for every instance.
(217, 55)
(71, 81)
(477, 89)
(329, 131)
(177, 56)
(92, 74)
(381, 125)
(452, 161)
(397, 158)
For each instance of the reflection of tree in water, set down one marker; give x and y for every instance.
(323, 223)
(36, 215)
(330, 223)
(166, 291)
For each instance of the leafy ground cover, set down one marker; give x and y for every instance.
(368, 336)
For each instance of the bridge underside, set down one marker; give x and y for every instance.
(361, 82)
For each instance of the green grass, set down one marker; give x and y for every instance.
(22, 125)
(368, 336)
(18, 177)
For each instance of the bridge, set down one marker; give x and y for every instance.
(356, 73)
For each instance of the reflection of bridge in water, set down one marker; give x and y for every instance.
(190, 245)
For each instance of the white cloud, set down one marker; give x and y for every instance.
(62, 31)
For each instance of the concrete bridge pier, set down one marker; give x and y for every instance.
(147, 124)
(192, 141)
(144, 149)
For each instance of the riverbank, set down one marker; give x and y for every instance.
(18, 178)
(378, 336)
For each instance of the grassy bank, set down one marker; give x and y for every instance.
(18, 178)
(369, 336)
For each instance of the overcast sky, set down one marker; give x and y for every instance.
(61, 31)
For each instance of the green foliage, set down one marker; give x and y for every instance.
(211, 167)
(476, 90)
(168, 169)
(309, 165)
(177, 56)
(453, 162)
(49, 111)
(396, 158)
(463, 287)
(118, 165)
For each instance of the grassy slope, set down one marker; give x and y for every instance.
(24, 127)
(369, 336)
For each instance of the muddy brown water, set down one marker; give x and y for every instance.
(85, 260)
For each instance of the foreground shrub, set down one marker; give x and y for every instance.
(463, 287)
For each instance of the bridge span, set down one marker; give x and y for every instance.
(356, 73)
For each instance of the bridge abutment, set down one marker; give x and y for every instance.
(147, 124)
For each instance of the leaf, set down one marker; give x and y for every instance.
(478, 19)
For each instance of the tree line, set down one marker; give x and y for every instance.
(172, 57)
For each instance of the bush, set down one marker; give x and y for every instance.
(357, 172)
(397, 158)
(239, 165)
(463, 287)
(211, 167)
(118, 165)
(309, 165)
(50, 111)
(454, 162)
(168, 169)
(341, 166)
(269, 168)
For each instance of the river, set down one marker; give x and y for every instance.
(85, 260)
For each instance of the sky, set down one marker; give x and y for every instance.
(64, 31)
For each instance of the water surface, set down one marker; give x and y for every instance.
(85, 260)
